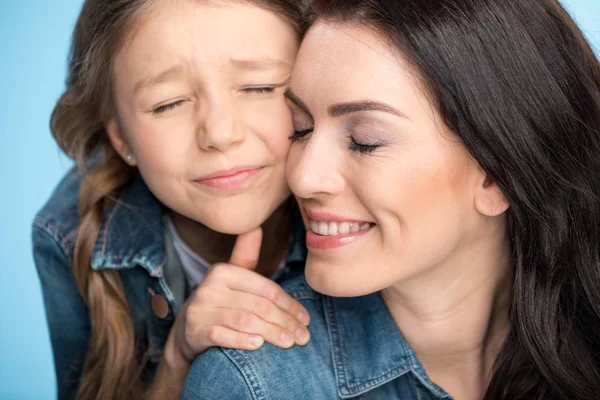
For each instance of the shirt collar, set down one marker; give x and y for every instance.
(370, 353)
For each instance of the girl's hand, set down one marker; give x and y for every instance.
(235, 307)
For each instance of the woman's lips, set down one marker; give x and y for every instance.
(332, 231)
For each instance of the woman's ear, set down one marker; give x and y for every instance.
(118, 141)
(489, 199)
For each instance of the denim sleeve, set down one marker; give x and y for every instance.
(214, 376)
(66, 313)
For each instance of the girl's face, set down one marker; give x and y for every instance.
(199, 92)
(388, 192)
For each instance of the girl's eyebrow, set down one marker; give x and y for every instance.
(259, 64)
(162, 76)
(264, 63)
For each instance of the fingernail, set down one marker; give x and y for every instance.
(303, 318)
(287, 338)
(303, 335)
(255, 341)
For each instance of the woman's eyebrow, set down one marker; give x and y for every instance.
(296, 100)
(337, 110)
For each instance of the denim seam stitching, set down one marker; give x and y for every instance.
(106, 229)
(358, 388)
(340, 377)
(245, 367)
(370, 384)
(424, 382)
(303, 295)
(51, 230)
(428, 386)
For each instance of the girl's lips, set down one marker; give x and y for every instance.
(230, 179)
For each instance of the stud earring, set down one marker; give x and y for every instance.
(129, 159)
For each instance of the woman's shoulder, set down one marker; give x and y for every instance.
(214, 376)
(270, 372)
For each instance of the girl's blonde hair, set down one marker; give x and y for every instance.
(111, 369)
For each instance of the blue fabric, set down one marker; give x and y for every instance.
(132, 241)
(355, 351)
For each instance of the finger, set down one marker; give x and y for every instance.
(222, 336)
(268, 312)
(245, 281)
(247, 249)
(247, 322)
(271, 291)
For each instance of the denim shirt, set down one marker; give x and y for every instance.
(132, 241)
(356, 352)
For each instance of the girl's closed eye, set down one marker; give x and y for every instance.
(170, 106)
(167, 107)
(259, 90)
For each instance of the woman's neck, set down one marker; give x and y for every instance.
(216, 247)
(456, 318)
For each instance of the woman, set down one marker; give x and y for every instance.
(176, 116)
(446, 159)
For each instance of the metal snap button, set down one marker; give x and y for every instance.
(160, 306)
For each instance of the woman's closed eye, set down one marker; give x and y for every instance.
(299, 134)
(353, 145)
(363, 148)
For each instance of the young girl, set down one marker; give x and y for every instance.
(175, 115)
(447, 162)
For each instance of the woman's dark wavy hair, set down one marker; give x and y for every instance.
(520, 86)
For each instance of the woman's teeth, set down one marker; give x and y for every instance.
(337, 228)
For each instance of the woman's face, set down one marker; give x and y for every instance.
(388, 192)
(199, 92)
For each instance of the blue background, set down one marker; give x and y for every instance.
(34, 42)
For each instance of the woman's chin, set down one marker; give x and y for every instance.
(326, 280)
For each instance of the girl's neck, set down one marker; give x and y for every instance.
(216, 247)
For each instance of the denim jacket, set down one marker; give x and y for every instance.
(356, 352)
(132, 241)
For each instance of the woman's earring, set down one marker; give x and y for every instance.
(129, 159)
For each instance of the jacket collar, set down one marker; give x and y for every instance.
(372, 353)
(131, 233)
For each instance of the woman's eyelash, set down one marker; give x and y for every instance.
(362, 148)
(167, 107)
(354, 145)
(300, 134)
